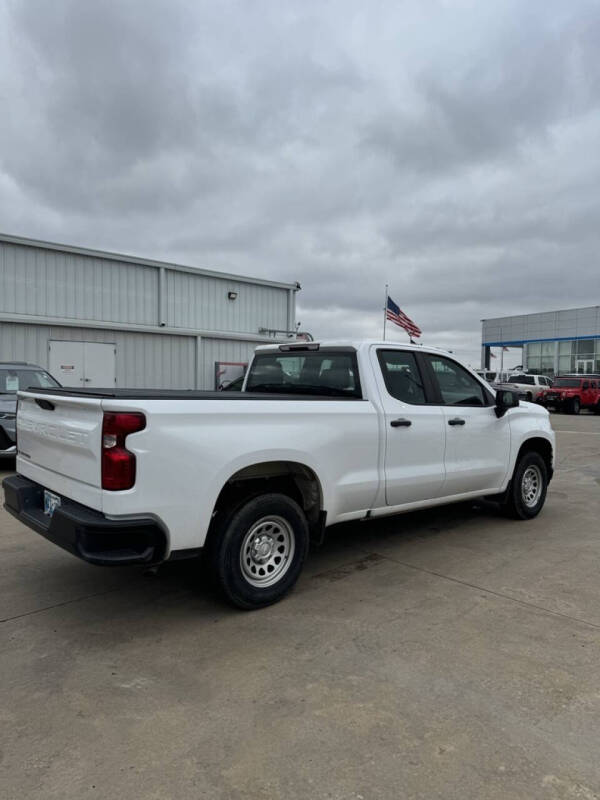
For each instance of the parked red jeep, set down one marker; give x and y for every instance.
(572, 393)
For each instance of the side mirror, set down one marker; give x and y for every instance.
(505, 399)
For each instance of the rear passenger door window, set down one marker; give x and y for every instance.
(402, 376)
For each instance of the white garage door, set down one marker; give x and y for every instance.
(83, 363)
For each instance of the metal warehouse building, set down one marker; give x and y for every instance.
(102, 319)
(553, 342)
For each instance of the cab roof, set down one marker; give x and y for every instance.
(360, 344)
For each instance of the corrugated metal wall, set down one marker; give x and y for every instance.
(194, 302)
(44, 282)
(50, 283)
(144, 360)
(213, 350)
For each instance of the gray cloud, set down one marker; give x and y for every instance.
(448, 149)
(489, 107)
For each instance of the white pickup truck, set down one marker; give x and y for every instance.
(320, 434)
(528, 387)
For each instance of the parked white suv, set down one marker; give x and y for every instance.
(320, 434)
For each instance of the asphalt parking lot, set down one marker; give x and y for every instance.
(444, 654)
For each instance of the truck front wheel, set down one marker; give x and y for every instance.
(526, 493)
(260, 552)
(575, 406)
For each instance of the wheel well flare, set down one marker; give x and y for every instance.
(541, 446)
(285, 477)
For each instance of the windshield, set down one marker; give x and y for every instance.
(14, 379)
(566, 383)
(331, 374)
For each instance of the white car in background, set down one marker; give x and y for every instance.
(528, 387)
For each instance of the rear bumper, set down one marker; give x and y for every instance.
(82, 531)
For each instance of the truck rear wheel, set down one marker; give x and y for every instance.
(261, 550)
(526, 494)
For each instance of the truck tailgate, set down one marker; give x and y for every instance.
(59, 443)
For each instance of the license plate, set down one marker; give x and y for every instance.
(51, 502)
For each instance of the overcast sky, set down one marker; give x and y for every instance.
(450, 149)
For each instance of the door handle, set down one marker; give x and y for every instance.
(401, 423)
(456, 421)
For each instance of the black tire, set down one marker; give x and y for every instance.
(514, 504)
(575, 406)
(248, 529)
(597, 408)
(529, 397)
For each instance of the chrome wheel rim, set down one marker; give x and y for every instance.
(267, 551)
(531, 486)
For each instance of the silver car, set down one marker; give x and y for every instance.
(15, 375)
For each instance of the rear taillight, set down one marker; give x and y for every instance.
(118, 464)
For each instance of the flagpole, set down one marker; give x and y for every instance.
(385, 310)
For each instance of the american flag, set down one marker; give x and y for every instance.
(395, 314)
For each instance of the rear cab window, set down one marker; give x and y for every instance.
(527, 380)
(329, 373)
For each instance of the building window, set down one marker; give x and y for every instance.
(547, 365)
(565, 364)
(540, 358)
(548, 349)
(585, 347)
(533, 357)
